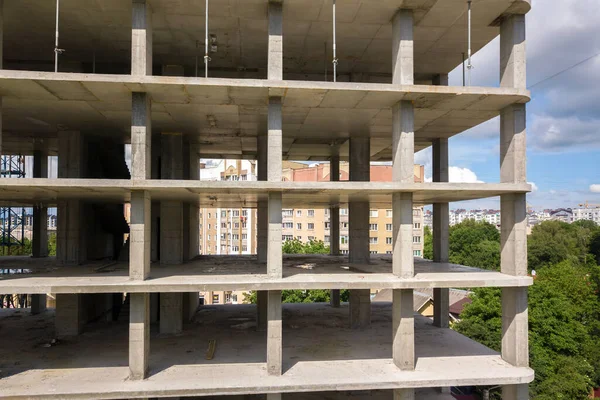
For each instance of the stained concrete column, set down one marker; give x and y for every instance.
(141, 38)
(513, 235)
(171, 212)
(139, 335)
(274, 170)
(441, 226)
(69, 318)
(403, 149)
(358, 215)
(274, 334)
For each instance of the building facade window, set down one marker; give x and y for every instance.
(417, 253)
(215, 299)
(285, 238)
(311, 213)
(373, 227)
(373, 240)
(299, 226)
(388, 227)
(388, 213)
(373, 213)
(416, 239)
(311, 227)
(388, 240)
(298, 213)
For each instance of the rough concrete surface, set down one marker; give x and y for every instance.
(319, 353)
(207, 273)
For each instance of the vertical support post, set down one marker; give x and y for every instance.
(69, 315)
(358, 214)
(171, 313)
(40, 213)
(141, 38)
(274, 334)
(441, 225)
(141, 136)
(171, 212)
(513, 235)
(403, 150)
(140, 235)
(263, 204)
(275, 69)
(139, 335)
(274, 155)
(334, 221)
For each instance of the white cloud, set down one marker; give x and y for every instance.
(595, 188)
(534, 187)
(549, 133)
(465, 175)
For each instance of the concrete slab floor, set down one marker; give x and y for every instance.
(243, 273)
(319, 352)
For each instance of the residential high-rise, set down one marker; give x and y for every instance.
(302, 80)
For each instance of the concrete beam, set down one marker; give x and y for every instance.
(139, 335)
(274, 334)
(141, 38)
(140, 235)
(513, 62)
(141, 136)
(403, 48)
(403, 326)
(275, 69)
(171, 313)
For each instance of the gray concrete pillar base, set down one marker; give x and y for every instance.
(171, 313)
(274, 334)
(360, 308)
(69, 319)
(262, 299)
(404, 394)
(441, 307)
(403, 325)
(515, 392)
(335, 298)
(38, 303)
(139, 335)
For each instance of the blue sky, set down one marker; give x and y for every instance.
(563, 118)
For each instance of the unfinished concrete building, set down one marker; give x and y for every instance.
(361, 80)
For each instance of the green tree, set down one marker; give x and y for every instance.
(427, 243)
(296, 246)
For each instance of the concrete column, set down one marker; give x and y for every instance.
(69, 319)
(274, 334)
(358, 214)
(38, 303)
(139, 335)
(39, 245)
(171, 313)
(441, 224)
(513, 235)
(513, 63)
(274, 156)
(403, 149)
(334, 211)
(262, 301)
(139, 237)
(404, 394)
(191, 211)
(171, 212)
(141, 38)
(70, 240)
(403, 329)
(440, 80)
(191, 302)
(262, 212)
(275, 70)
(141, 136)
(402, 48)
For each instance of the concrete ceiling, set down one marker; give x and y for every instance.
(224, 116)
(101, 30)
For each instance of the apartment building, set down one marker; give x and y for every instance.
(83, 80)
(315, 224)
(587, 214)
(225, 231)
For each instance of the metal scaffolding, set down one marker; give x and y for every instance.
(12, 220)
